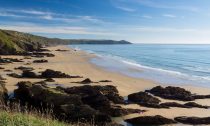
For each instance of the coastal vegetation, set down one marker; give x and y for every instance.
(13, 42)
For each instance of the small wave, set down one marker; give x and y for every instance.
(158, 71)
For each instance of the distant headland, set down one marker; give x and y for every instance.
(13, 42)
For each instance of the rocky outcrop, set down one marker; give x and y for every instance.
(195, 105)
(9, 60)
(56, 74)
(193, 120)
(72, 104)
(45, 74)
(175, 93)
(145, 99)
(150, 120)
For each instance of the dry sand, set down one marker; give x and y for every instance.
(77, 63)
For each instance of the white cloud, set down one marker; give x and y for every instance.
(47, 15)
(57, 30)
(147, 16)
(169, 15)
(158, 4)
(125, 9)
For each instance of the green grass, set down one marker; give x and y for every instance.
(20, 119)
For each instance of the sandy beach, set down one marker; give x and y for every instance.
(77, 63)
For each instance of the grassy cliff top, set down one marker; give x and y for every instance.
(13, 42)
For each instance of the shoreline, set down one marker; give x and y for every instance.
(77, 63)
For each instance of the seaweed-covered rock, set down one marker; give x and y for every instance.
(40, 61)
(75, 103)
(29, 74)
(174, 104)
(49, 80)
(67, 107)
(193, 120)
(56, 74)
(86, 81)
(144, 99)
(150, 120)
(175, 93)
(14, 75)
(111, 93)
(195, 105)
(24, 68)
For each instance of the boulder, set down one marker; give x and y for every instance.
(56, 74)
(174, 93)
(105, 81)
(40, 61)
(143, 97)
(14, 75)
(111, 93)
(150, 120)
(29, 74)
(49, 80)
(24, 68)
(86, 81)
(193, 120)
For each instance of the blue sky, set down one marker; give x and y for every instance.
(139, 21)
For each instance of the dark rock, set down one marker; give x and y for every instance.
(150, 120)
(66, 107)
(39, 54)
(40, 61)
(56, 74)
(175, 93)
(117, 111)
(9, 60)
(14, 75)
(201, 96)
(143, 97)
(1, 68)
(193, 120)
(42, 50)
(7, 70)
(195, 105)
(105, 81)
(29, 74)
(61, 50)
(24, 68)
(97, 98)
(86, 81)
(111, 93)
(174, 104)
(50, 80)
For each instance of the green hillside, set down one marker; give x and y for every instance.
(13, 42)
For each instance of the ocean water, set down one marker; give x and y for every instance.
(164, 64)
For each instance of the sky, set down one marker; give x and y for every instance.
(137, 21)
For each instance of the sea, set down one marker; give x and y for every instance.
(169, 64)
